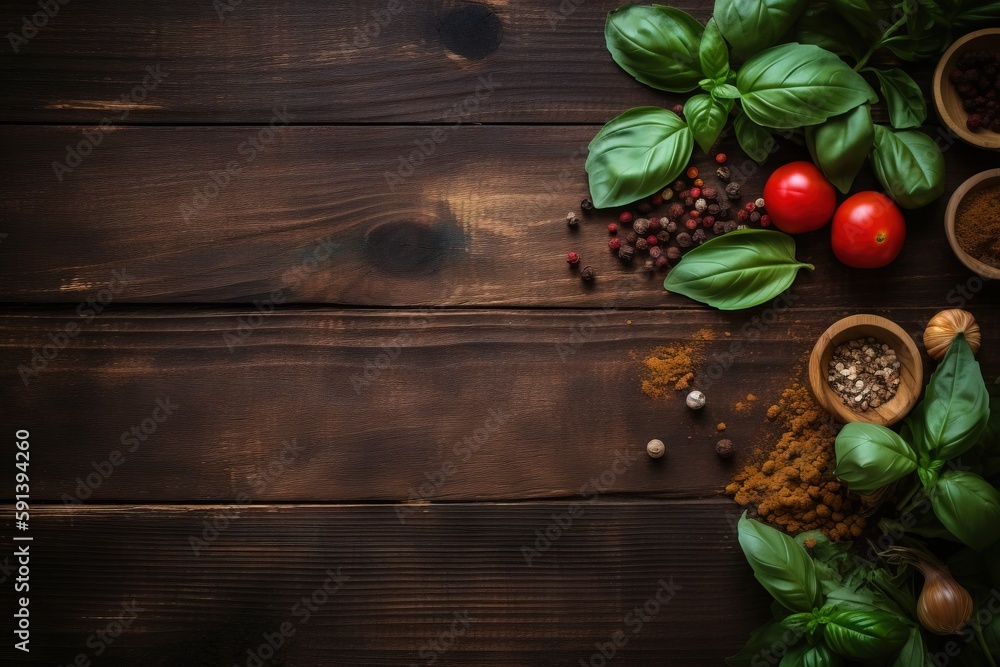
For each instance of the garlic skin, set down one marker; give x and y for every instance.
(943, 328)
(944, 607)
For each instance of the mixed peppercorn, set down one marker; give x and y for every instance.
(977, 80)
(694, 210)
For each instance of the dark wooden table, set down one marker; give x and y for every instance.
(287, 318)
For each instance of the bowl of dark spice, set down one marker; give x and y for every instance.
(866, 368)
(972, 223)
(966, 86)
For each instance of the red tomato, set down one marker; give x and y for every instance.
(798, 198)
(868, 231)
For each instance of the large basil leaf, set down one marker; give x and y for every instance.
(753, 25)
(841, 145)
(865, 636)
(870, 456)
(762, 642)
(713, 54)
(976, 14)
(795, 85)
(955, 409)
(969, 507)
(862, 14)
(909, 165)
(755, 140)
(914, 653)
(657, 45)
(926, 47)
(821, 26)
(804, 655)
(780, 565)
(742, 269)
(907, 107)
(636, 154)
(706, 117)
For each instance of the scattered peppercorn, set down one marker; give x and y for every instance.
(700, 204)
(573, 258)
(625, 217)
(733, 190)
(698, 183)
(679, 185)
(725, 448)
(719, 228)
(691, 223)
(631, 238)
(676, 210)
(699, 236)
(655, 251)
(662, 262)
(657, 200)
(641, 226)
(708, 221)
(673, 254)
(696, 192)
(765, 220)
(641, 244)
(664, 236)
(588, 274)
(587, 204)
(615, 243)
(667, 194)
(684, 240)
(742, 214)
(689, 201)
(723, 173)
(713, 209)
(612, 228)
(755, 217)
(626, 253)
(759, 202)
(654, 226)
(692, 172)
(644, 207)
(695, 400)
(572, 219)
(976, 81)
(652, 240)
(750, 206)
(720, 158)
(648, 267)
(695, 213)
(671, 226)
(709, 192)
(678, 109)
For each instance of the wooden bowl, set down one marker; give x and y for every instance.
(911, 369)
(946, 99)
(982, 179)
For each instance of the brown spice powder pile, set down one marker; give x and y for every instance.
(671, 367)
(977, 224)
(794, 488)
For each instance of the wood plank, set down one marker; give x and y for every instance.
(394, 406)
(401, 584)
(481, 222)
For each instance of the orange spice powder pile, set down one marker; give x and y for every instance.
(794, 487)
(671, 367)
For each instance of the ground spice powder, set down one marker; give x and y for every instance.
(977, 224)
(794, 487)
(671, 367)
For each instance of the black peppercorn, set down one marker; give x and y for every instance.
(699, 236)
(673, 254)
(626, 253)
(671, 227)
(631, 238)
(675, 211)
(662, 262)
(709, 193)
(587, 274)
(655, 252)
(733, 190)
(719, 228)
(572, 219)
(587, 204)
(713, 209)
(679, 185)
(725, 448)
(755, 217)
(689, 201)
(641, 244)
(664, 236)
(644, 207)
(684, 240)
(723, 173)
(647, 267)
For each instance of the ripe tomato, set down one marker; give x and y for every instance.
(868, 231)
(798, 198)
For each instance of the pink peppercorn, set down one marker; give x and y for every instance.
(691, 224)
(695, 192)
(652, 240)
(625, 217)
(573, 258)
(708, 221)
(742, 214)
(720, 158)
(750, 207)
(615, 243)
(657, 200)
(695, 213)
(765, 220)
(613, 228)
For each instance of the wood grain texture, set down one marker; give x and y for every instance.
(394, 406)
(401, 584)
(480, 222)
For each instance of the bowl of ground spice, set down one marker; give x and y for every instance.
(972, 223)
(865, 368)
(965, 84)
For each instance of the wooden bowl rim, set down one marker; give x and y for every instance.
(911, 383)
(950, 214)
(990, 141)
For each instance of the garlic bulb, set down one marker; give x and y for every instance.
(943, 328)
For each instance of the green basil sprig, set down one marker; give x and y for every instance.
(796, 85)
(753, 25)
(781, 565)
(742, 269)
(841, 145)
(706, 117)
(865, 636)
(635, 154)
(907, 108)
(713, 54)
(909, 165)
(969, 507)
(756, 141)
(657, 45)
(821, 26)
(870, 456)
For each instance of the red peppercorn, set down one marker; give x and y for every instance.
(678, 109)
(691, 224)
(652, 240)
(742, 214)
(613, 228)
(657, 200)
(720, 158)
(695, 192)
(750, 206)
(654, 226)
(615, 243)
(708, 221)
(765, 220)
(695, 213)
(625, 217)
(573, 258)
(692, 172)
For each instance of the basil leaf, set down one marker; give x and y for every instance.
(762, 642)
(779, 564)
(909, 165)
(907, 107)
(713, 54)
(927, 47)
(870, 456)
(742, 269)
(755, 140)
(804, 655)
(914, 653)
(977, 14)
(795, 85)
(636, 154)
(657, 45)
(821, 26)
(969, 507)
(861, 15)
(841, 145)
(753, 25)
(726, 91)
(955, 409)
(865, 636)
(706, 117)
